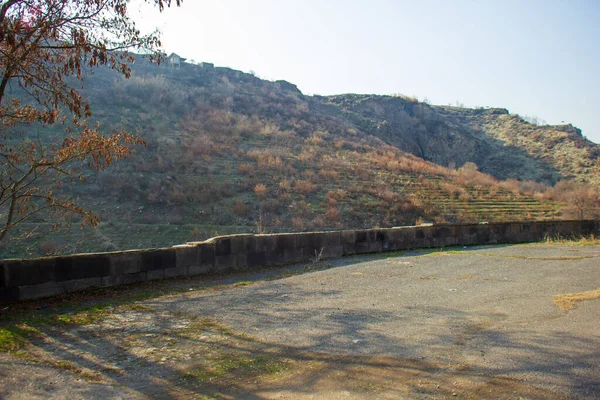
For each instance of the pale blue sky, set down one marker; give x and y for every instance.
(537, 58)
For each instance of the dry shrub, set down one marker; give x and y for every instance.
(466, 196)
(318, 222)
(240, 208)
(386, 195)
(298, 224)
(452, 189)
(307, 156)
(303, 187)
(196, 234)
(332, 215)
(314, 140)
(285, 185)
(261, 190)
(329, 174)
(270, 206)
(330, 199)
(300, 207)
(48, 247)
(246, 169)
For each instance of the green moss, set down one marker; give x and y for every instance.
(234, 364)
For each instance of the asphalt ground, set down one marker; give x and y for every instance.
(475, 323)
(486, 309)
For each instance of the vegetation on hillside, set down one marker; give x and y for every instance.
(227, 152)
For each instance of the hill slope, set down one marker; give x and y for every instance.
(228, 152)
(501, 144)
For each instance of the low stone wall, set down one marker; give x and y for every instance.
(34, 278)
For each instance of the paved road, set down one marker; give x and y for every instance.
(488, 310)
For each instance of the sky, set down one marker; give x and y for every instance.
(535, 58)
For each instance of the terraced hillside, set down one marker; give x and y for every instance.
(227, 152)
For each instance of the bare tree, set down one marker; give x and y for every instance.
(45, 47)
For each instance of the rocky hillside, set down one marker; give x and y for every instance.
(501, 144)
(227, 152)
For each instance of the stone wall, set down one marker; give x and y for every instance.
(34, 278)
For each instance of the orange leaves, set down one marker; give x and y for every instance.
(100, 149)
(261, 190)
(304, 187)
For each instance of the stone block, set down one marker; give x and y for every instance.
(207, 255)
(483, 234)
(28, 272)
(222, 246)
(310, 240)
(375, 247)
(256, 259)
(198, 270)
(9, 294)
(333, 251)
(348, 237)
(187, 256)
(276, 256)
(81, 267)
(266, 242)
(127, 262)
(287, 241)
(293, 255)
(349, 249)
(155, 275)
(361, 236)
(158, 259)
(239, 244)
(3, 276)
(362, 247)
(401, 238)
(225, 262)
(125, 279)
(332, 239)
(28, 292)
(176, 272)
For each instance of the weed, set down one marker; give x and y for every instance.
(574, 240)
(317, 257)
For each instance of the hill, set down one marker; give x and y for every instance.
(501, 144)
(227, 152)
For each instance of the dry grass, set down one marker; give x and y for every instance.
(579, 240)
(569, 301)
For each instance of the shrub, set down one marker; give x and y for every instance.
(240, 208)
(303, 187)
(332, 215)
(245, 169)
(261, 190)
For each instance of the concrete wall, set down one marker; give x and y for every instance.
(35, 278)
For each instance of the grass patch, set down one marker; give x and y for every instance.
(76, 369)
(234, 365)
(11, 339)
(243, 283)
(569, 301)
(80, 317)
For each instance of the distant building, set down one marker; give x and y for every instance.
(207, 65)
(175, 60)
